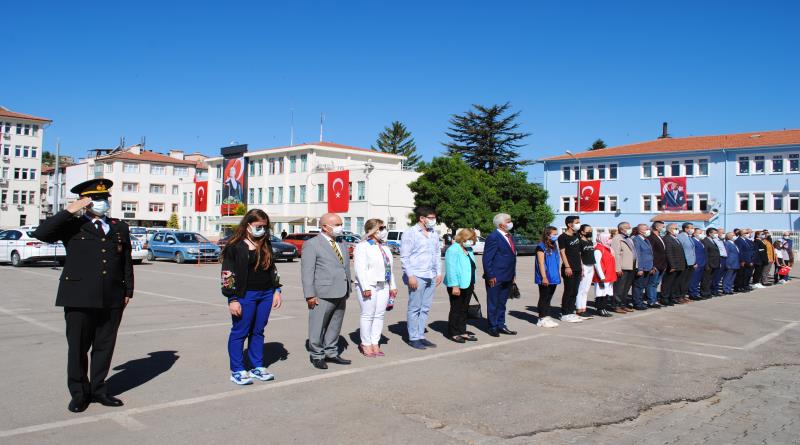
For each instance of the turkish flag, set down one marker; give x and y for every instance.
(201, 195)
(339, 191)
(673, 193)
(589, 196)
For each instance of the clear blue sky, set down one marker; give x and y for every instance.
(198, 75)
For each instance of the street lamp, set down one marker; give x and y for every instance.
(572, 155)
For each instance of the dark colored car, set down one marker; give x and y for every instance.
(350, 241)
(297, 240)
(281, 250)
(524, 246)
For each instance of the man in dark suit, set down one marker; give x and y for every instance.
(95, 287)
(712, 263)
(500, 269)
(676, 264)
(746, 254)
(659, 262)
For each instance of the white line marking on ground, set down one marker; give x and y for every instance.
(260, 388)
(30, 320)
(128, 422)
(787, 302)
(196, 326)
(672, 340)
(172, 297)
(634, 345)
(761, 340)
(627, 317)
(786, 321)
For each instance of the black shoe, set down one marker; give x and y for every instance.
(507, 331)
(640, 308)
(416, 344)
(604, 313)
(654, 306)
(107, 400)
(471, 338)
(458, 339)
(494, 333)
(338, 360)
(78, 405)
(319, 363)
(427, 343)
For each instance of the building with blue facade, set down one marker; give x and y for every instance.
(735, 180)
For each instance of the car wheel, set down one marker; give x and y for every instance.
(137, 261)
(150, 256)
(16, 260)
(179, 258)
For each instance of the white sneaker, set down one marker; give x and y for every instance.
(571, 318)
(261, 374)
(551, 321)
(546, 323)
(758, 286)
(241, 378)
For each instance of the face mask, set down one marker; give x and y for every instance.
(675, 231)
(646, 233)
(662, 232)
(257, 232)
(714, 236)
(701, 236)
(430, 223)
(553, 237)
(337, 230)
(588, 235)
(468, 243)
(381, 235)
(509, 226)
(99, 207)
(629, 232)
(574, 226)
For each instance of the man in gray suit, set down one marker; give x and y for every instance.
(325, 270)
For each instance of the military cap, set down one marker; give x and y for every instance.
(93, 187)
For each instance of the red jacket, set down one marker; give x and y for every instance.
(608, 265)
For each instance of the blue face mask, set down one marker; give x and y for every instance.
(99, 207)
(553, 237)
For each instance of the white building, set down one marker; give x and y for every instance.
(289, 184)
(21, 138)
(146, 184)
(49, 189)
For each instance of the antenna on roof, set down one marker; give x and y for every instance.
(291, 129)
(321, 125)
(143, 141)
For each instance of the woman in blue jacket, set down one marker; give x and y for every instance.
(459, 278)
(547, 276)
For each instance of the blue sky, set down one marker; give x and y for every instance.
(198, 75)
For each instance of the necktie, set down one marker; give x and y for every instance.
(511, 242)
(99, 226)
(336, 249)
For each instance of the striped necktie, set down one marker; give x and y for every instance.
(336, 249)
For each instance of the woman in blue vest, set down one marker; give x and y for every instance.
(547, 276)
(459, 278)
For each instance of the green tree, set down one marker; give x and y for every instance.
(172, 223)
(598, 145)
(396, 139)
(240, 210)
(524, 201)
(48, 158)
(487, 138)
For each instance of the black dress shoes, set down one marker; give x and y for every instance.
(338, 360)
(494, 333)
(107, 400)
(319, 363)
(78, 405)
(507, 331)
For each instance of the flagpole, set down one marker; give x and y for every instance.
(580, 173)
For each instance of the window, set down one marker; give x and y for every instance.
(566, 204)
(794, 202)
(27, 131)
(702, 202)
(758, 202)
(660, 172)
(219, 172)
(174, 189)
(362, 190)
(320, 192)
(23, 198)
(303, 163)
(252, 168)
(26, 151)
(612, 171)
(280, 165)
(359, 223)
(675, 168)
(777, 202)
(601, 171)
(185, 199)
(18, 151)
(291, 194)
(758, 163)
(647, 203)
(348, 224)
(688, 167)
(158, 169)
(132, 187)
(794, 163)
(565, 174)
(349, 191)
(271, 195)
(3, 196)
(130, 167)
(777, 164)
(159, 189)
(744, 165)
(702, 167)
(34, 151)
(5, 173)
(191, 199)
(15, 197)
(260, 196)
(35, 130)
(589, 173)
(128, 206)
(272, 166)
(8, 128)
(218, 197)
(6, 150)
(19, 128)
(260, 167)
(302, 193)
(174, 208)
(251, 194)
(647, 170)
(157, 207)
(16, 173)
(98, 170)
(292, 164)
(743, 201)
(181, 171)
(280, 195)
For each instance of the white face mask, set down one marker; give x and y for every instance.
(509, 226)
(646, 233)
(337, 230)
(714, 236)
(381, 235)
(702, 236)
(468, 243)
(99, 207)
(430, 223)
(675, 231)
(257, 232)
(629, 232)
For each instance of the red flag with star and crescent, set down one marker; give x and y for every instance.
(589, 196)
(201, 194)
(339, 191)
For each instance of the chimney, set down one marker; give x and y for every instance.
(176, 154)
(664, 133)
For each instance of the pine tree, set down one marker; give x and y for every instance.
(396, 139)
(486, 139)
(172, 223)
(598, 145)
(48, 158)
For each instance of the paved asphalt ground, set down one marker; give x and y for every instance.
(718, 371)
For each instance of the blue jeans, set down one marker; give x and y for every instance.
(652, 287)
(694, 282)
(728, 280)
(640, 284)
(419, 304)
(256, 306)
(496, 298)
(716, 279)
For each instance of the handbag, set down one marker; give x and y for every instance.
(514, 291)
(784, 270)
(474, 311)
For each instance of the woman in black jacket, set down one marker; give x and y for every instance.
(759, 259)
(252, 285)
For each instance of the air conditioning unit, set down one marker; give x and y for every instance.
(20, 207)
(3, 181)
(5, 158)
(4, 206)
(6, 136)
(129, 215)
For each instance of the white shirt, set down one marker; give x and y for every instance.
(103, 223)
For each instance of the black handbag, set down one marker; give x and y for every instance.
(514, 291)
(474, 311)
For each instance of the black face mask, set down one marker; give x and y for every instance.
(588, 235)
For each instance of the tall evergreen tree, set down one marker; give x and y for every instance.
(396, 139)
(486, 139)
(598, 145)
(48, 158)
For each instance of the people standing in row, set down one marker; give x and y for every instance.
(644, 266)
(587, 270)
(685, 239)
(713, 264)
(656, 239)
(420, 256)
(760, 260)
(717, 276)
(605, 274)
(546, 274)
(252, 285)
(569, 245)
(325, 273)
(676, 265)
(700, 264)
(732, 264)
(459, 278)
(375, 284)
(625, 253)
(499, 270)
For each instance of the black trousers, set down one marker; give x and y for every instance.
(621, 288)
(684, 279)
(670, 286)
(706, 283)
(757, 270)
(743, 276)
(95, 329)
(459, 307)
(545, 296)
(570, 291)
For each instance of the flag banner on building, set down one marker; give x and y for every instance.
(200, 193)
(233, 183)
(673, 193)
(338, 191)
(589, 198)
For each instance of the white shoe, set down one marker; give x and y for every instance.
(551, 321)
(571, 318)
(545, 323)
(758, 286)
(261, 374)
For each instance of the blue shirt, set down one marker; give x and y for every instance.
(552, 263)
(688, 248)
(420, 255)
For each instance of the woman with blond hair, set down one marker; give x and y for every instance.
(375, 284)
(459, 278)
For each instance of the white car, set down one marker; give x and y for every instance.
(477, 249)
(18, 247)
(138, 252)
(139, 233)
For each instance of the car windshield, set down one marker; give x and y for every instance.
(274, 239)
(190, 238)
(138, 230)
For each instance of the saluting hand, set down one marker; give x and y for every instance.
(75, 206)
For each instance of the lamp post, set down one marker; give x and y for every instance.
(580, 172)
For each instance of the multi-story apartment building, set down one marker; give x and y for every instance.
(734, 180)
(289, 183)
(21, 139)
(50, 192)
(146, 184)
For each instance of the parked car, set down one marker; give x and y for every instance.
(297, 240)
(182, 247)
(138, 252)
(393, 240)
(280, 249)
(139, 233)
(477, 249)
(18, 247)
(523, 245)
(350, 241)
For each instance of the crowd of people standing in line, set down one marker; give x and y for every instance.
(626, 267)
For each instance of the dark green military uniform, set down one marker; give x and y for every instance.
(97, 277)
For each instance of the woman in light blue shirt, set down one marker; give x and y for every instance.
(459, 278)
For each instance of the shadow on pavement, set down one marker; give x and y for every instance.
(273, 352)
(135, 373)
(355, 337)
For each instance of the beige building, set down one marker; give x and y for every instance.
(21, 142)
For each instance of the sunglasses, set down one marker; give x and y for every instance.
(382, 228)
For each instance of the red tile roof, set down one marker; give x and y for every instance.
(677, 216)
(146, 156)
(5, 112)
(694, 143)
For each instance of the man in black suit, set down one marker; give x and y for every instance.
(676, 264)
(712, 262)
(95, 287)
(659, 262)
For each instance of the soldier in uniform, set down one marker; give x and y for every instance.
(95, 286)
